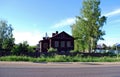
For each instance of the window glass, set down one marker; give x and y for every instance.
(62, 43)
(68, 43)
(56, 43)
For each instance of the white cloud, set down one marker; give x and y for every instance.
(66, 22)
(112, 13)
(70, 21)
(31, 37)
(115, 21)
(109, 41)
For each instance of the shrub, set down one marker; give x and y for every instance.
(61, 58)
(52, 50)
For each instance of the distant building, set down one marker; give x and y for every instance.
(63, 42)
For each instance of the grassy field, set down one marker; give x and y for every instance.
(61, 58)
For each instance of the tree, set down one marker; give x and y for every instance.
(6, 36)
(20, 49)
(23, 49)
(88, 27)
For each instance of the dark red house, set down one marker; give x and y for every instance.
(63, 42)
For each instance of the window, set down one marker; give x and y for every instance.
(62, 43)
(68, 43)
(45, 45)
(56, 43)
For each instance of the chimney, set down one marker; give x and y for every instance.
(53, 34)
(43, 38)
(56, 32)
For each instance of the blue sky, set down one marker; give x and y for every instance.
(31, 19)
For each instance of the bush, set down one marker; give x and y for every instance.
(61, 58)
(22, 49)
(52, 50)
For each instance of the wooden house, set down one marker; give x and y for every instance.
(63, 42)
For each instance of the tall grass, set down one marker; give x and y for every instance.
(61, 58)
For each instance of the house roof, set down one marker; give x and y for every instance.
(63, 34)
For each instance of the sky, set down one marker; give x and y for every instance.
(31, 19)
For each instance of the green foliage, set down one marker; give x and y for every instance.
(15, 58)
(73, 51)
(22, 49)
(6, 36)
(52, 50)
(8, 44)
(61, 58)
(88, 27)
(31, 48)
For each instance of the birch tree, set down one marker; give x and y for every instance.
(88, 27)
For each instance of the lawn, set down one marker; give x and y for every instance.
(61, 58)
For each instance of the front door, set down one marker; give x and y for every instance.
(45, 47)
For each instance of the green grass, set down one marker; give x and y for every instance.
(61, 58)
